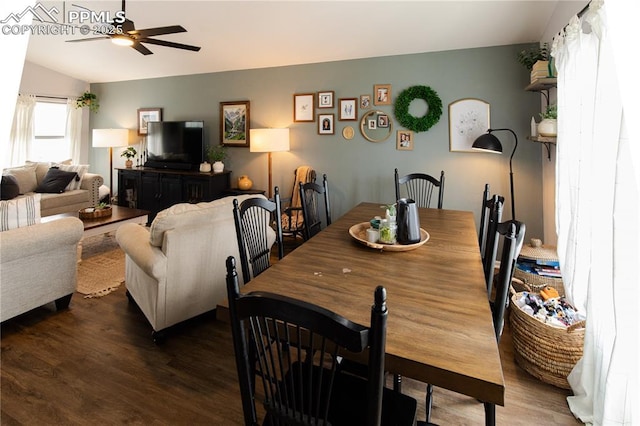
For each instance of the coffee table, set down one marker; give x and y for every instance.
(103, 225)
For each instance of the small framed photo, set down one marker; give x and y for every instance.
(404, 140)
(382, 94)
(372, 124)
(146, 115)
(365, 101)
(325, 99)
(303, 110)
(234, 123)
(383, 120)
(348, 109)
(326, 124)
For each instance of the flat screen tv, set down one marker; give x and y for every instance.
(175, 144)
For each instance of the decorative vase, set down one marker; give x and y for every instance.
(548, 127)
(244, 183)
(218, 166)
(205, 167)
(128, 164)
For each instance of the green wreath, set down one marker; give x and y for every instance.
(418, 124)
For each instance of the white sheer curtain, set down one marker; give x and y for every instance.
(21, 136)
(597, 201)
(73, 132)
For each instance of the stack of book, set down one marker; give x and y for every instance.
(542, 267)
(541, 70)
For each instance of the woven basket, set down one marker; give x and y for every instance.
(534, 282)
(545, 351)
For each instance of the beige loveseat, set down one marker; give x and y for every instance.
(38, 265)
(31, 175)
(176, 269)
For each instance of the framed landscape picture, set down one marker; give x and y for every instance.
(146, 115)
(303, 107)
(234, 123)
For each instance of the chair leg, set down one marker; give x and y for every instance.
(428, 402)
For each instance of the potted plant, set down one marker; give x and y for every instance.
(216, 155)
(129, 153)
(537, 60)
(88, 99)
(549, 124)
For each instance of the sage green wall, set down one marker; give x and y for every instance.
(359, 170)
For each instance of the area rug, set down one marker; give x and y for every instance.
(102, 268)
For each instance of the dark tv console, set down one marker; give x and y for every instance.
(157, 189)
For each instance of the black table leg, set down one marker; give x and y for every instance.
(489, 414)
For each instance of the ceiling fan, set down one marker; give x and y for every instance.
(129, 36)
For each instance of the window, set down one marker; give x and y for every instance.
(50, 122)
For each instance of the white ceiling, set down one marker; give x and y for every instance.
(238, 35)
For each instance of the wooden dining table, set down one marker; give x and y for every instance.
(439, 328)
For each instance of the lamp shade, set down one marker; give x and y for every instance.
(104, 138)
(487, 142)
(269, 140)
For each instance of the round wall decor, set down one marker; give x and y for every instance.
(418, 124)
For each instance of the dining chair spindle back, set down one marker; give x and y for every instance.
(303, 385)
(419, 187)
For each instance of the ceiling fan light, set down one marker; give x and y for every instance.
(121, 40)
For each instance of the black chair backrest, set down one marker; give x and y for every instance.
(252, 217)
(293, 348)
(513, 233)
(491, 217)
(419, 187)
(309, 198)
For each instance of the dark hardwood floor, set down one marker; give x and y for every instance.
(96, 363)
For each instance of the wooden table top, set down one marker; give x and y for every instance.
(439, 327)
(118, 214)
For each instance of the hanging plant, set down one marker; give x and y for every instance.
(88, 99)
(418, 124)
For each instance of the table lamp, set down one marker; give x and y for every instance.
(489, 143)
(103, 138)
(269, 140)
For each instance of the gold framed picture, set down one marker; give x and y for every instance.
(348, 109)
(234, 123)
(303, 110)
(382, 94)
(326, 125)
(145, 115)
(325, 99)
(404, 140)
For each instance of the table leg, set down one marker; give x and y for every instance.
(489, 414)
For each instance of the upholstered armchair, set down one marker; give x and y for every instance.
(175, 270)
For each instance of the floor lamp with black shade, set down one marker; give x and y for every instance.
(490, 143)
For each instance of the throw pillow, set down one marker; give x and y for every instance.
(9, 188)
(42, 167)
(80, 169)
(19, 212)
(55, 181)
(25, 175)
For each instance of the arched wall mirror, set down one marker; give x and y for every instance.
(376, 126)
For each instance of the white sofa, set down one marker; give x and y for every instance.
(176, 270)
(38, 265)
(72, 200)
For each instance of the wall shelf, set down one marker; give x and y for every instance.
(547, 141)
(542, 84)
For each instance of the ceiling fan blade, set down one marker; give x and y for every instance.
(150, 32)
(88, 39)
(142, 49)
(170, 44)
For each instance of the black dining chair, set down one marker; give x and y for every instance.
(303, 385)
(253, 219)
(491, 215)
(291, 207)
(310, 195)
(419, 187)
(512, 233)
